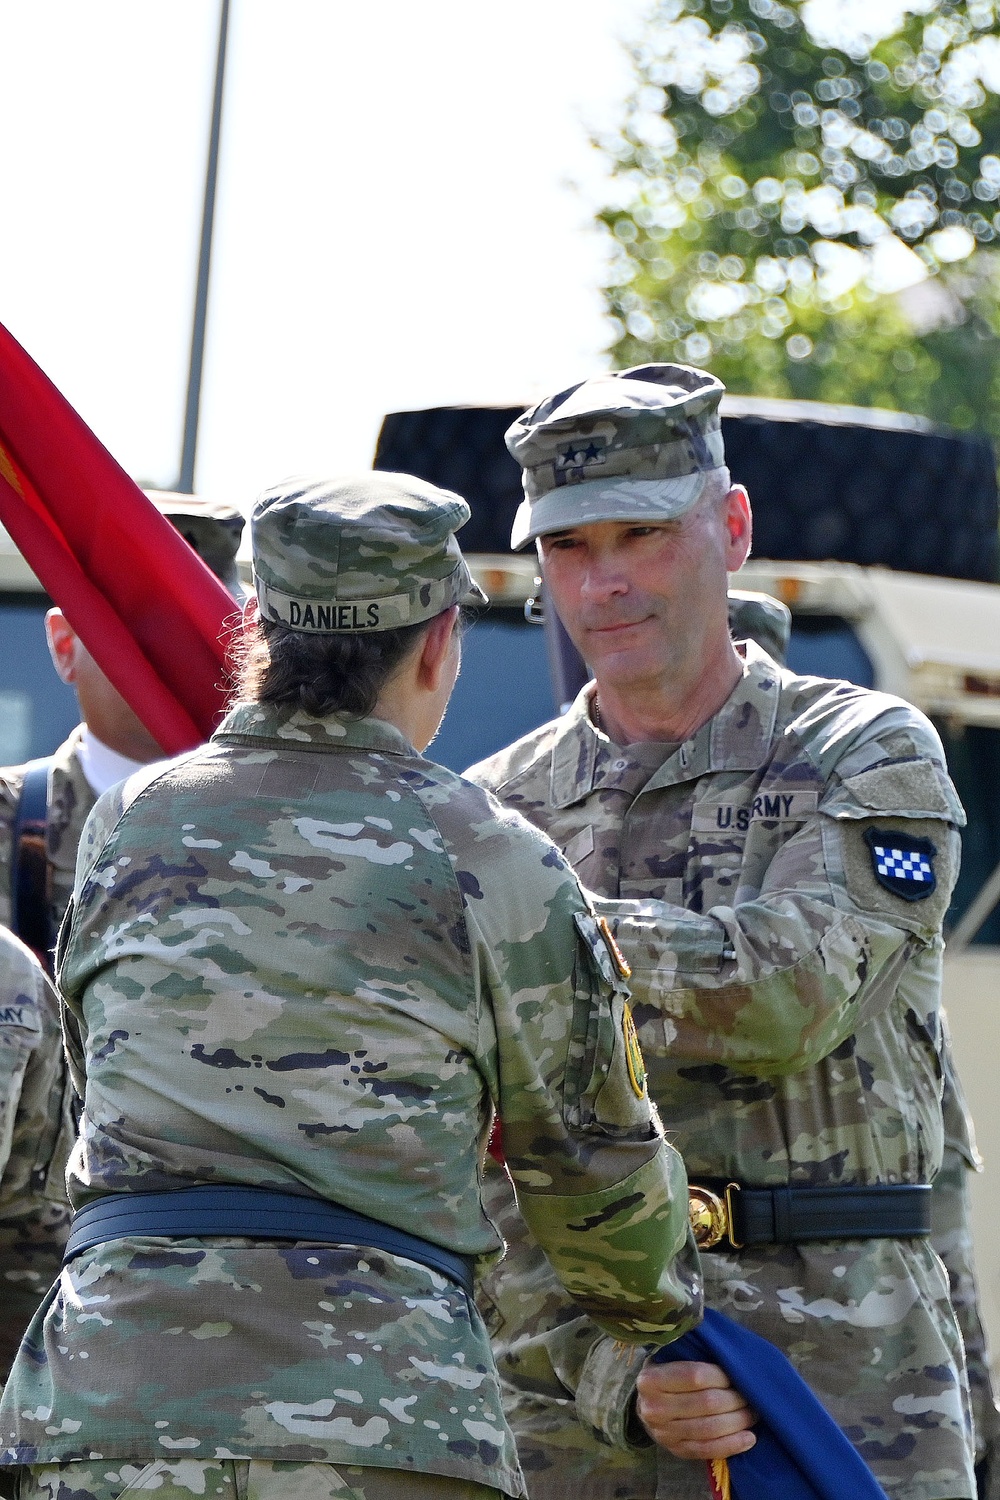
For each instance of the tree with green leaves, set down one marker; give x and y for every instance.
(812, 210)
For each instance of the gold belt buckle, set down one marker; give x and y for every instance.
(711, 1216)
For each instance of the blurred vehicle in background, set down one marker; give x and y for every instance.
(37, 710)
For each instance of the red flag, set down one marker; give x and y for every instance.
(149, 611)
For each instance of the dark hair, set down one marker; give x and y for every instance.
(322, 674)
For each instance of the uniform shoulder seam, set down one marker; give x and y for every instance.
(542, 751)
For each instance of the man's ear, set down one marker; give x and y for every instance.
(738, 521)
(63, 642)
(434, 652)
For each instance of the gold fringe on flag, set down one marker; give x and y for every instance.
(718, 1479)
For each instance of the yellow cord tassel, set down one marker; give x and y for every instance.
(718, 1479)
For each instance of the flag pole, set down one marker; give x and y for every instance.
(185, 483)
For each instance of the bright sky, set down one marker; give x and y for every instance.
(403, 216)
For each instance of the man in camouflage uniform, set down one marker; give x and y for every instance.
(951, 1222)
(765, 620)
(111, 742)
(794, 842)
(301, 964)
(36, 1132)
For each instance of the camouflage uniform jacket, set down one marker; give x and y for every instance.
(788, 1010)
(70, 799)
(952, 1239)
(36, 1132)
(304, 958)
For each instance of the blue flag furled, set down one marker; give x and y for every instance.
(801, 1453)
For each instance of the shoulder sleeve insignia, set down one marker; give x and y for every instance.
(633, 1054)
(902, 862)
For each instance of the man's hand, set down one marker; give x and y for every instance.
(693, 1411)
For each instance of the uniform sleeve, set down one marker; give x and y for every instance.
(951, 1237)
(775, 982)
(602, 1192)
(36, 1132)
(544, 1347)
(100, 824)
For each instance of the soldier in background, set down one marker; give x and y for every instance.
(759, 617)
(42, 816)
(795, 843)
(37, 1129)
(300, 965)
(35, 1099)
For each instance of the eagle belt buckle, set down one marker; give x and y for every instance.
(711, 1216)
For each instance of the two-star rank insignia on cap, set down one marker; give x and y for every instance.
(572, 460)
(903, 863)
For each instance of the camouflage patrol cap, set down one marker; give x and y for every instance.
(761, 618)
(212, 527)
(367, 552)
(628, 445)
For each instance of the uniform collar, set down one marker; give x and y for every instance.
(737, 738)
(102, 766)
(295, 729)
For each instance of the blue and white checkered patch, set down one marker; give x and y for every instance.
(902, 863)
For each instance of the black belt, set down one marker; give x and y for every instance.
(257, 1214)
(730, 1215)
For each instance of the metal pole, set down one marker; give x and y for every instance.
(567, 667)
(185, 483)
(975, 915)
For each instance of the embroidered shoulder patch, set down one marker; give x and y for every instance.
(902, 862)
(633, 1054)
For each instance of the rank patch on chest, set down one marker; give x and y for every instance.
(633, 1055)
(902, 863)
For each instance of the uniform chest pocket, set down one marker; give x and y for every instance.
(714, 865)
(734, 840)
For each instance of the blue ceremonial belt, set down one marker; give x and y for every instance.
(256, 1214)
(801, 1453)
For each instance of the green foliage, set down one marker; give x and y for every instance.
(811, 213)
